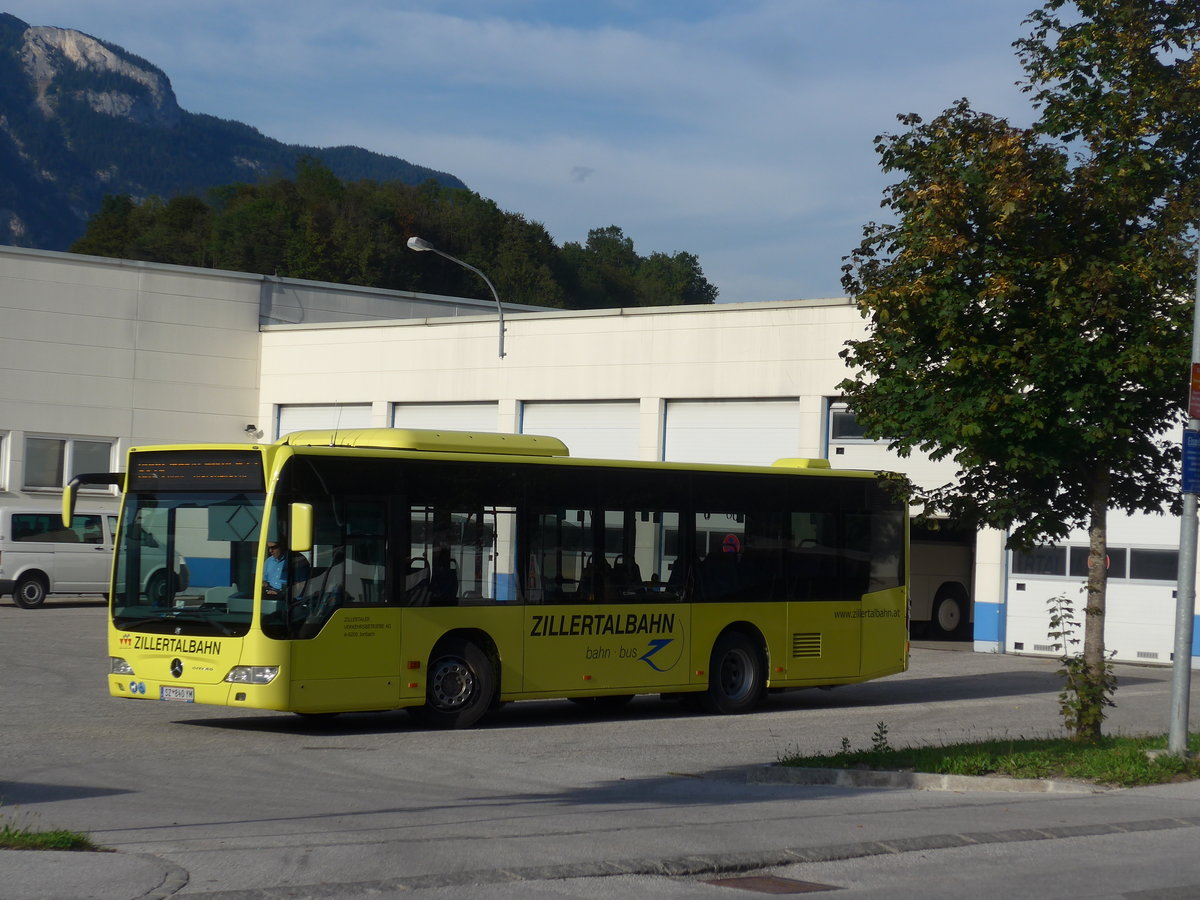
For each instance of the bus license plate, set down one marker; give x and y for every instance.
(182, 694)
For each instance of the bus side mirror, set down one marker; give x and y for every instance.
(300, 529)
(68, 501)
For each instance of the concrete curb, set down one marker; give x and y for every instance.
(921, 781)
(697, 865)
(87, 875)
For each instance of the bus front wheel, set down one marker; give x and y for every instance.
(735, 675)
(460, 686)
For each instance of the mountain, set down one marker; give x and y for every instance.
(81, 118)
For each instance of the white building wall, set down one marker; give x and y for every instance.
(651, 356)
(124, 352)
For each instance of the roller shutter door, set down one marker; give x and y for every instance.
(448, 416)
(592, 429)
(732, 432)
(306, 417)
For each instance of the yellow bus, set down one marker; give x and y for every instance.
(448, 572)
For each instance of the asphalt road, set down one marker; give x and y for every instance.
(544, 799)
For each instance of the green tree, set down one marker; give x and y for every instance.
(664, 280)
(318, 227)
(253, 226)
(109, 230)
(1029, 300)
(523, 267)
(607, 271)
(172, 232)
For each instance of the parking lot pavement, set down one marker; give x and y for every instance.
(1067, 855)
(543, 799)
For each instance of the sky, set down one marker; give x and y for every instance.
(741, 131)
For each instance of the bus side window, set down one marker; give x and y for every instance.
(459, 557)
(811, 562)
(720, 537)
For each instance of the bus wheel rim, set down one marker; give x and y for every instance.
(452, 684)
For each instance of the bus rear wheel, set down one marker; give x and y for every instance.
(736, 680)
(30, 592)
(460, 686)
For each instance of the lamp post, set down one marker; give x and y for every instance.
(1185, 594)
(421, 245)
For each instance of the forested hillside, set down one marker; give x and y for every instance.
(318, 227)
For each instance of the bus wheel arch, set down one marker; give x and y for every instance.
(737, 671)
(461, 681)
(30, 590)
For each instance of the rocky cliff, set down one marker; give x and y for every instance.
(81, 118)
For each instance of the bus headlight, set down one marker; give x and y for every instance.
(252, 674)
(118, 666)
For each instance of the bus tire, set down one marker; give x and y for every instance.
(460, 687)
(949, 617)
(736, 680)
(30, 592)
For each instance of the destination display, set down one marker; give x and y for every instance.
(202, 470)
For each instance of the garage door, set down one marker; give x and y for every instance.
(304, 416)
(732, 432)
(592, 429)
(448, 416)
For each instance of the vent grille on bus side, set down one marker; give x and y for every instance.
(806, 646)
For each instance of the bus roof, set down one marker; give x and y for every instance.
(439, 441)
(430, 441)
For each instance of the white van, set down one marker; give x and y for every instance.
(38, 556)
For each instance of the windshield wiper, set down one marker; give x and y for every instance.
(179, 616)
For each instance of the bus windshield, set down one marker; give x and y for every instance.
(185, 562)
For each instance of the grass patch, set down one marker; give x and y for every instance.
(1115, 761)
(14, 837)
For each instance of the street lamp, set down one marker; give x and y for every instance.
(421, 245)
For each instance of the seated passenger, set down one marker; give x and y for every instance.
(443, 579)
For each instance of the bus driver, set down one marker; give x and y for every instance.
(275, 569)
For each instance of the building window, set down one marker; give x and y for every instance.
(1154, 565)
(1046, 560)
(49, 460)
(1115, 562)
(843, 425)
(1130, 563)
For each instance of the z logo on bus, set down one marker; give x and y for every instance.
(655, 646)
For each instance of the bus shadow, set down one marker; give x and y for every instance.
(895, 693)
(25, 793)
(540, 713)
(720, 788)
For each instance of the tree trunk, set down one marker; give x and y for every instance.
(1094, 686)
